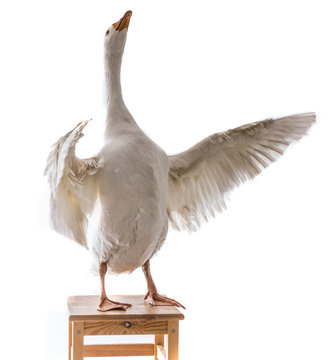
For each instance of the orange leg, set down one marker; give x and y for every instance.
(105, 303)
(152, 295)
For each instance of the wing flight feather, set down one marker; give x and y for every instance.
(201, 177)
(72, 184)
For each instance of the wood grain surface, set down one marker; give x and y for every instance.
(118, 350)
(78, 340)
(85, 308)
(119, 327)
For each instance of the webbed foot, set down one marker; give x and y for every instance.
(156, 299)
(106, 305)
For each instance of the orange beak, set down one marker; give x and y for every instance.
(123, 23)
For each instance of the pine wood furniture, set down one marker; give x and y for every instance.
(140, 318)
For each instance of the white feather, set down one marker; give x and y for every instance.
(139, 187)
(200, 177)
(72, 184)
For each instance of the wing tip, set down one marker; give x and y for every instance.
(300, 123)
(311, 117)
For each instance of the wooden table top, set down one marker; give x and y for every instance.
(85, 308)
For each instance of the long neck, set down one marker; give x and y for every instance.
(113, 87)
(118, 116)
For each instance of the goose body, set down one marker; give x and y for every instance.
(139, 190)
(131, 231)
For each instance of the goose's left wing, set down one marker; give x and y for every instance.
(72, 184)
(200, 177)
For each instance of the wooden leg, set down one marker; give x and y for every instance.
(70, 339)
(173, 340)
(159, 340)
(78, 340)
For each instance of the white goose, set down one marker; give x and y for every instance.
(140, 189)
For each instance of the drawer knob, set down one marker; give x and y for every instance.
(127, 324)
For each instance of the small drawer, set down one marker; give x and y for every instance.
(127, 327)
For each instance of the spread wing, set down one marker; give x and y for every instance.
(200, 177)
(72, 184)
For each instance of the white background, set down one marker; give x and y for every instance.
(257, 280)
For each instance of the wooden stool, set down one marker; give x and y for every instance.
(140, 318)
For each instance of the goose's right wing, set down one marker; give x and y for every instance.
(200, 177)
(72, 184)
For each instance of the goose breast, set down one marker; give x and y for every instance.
(132, 190)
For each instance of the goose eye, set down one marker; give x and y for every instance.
(107, 32)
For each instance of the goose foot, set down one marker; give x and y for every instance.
(156, 299)
(152, 296)
(106, 305)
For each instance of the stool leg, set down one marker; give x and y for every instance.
(70, 340)
(78, 340)
(173, 340)
(159, 340)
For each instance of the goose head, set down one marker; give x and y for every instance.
(115, 36)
